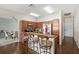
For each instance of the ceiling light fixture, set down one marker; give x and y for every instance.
(34, 14)
(48, 9)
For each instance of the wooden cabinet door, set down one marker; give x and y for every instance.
(56, 27)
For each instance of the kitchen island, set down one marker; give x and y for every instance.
(51, 38)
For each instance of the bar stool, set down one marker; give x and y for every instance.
(35, 43)
(45, 46)
(30, 41)
(25, 37)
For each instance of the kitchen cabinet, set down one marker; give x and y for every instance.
(55, 27)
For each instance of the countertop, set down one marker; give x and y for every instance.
(40, 34)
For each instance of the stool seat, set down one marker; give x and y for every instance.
(46, 44)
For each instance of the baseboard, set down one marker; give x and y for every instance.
(76, 43)
(6, 42)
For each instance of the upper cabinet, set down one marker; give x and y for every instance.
(37, 24)
(23, 24)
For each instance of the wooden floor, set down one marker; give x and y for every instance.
(68, 47)
(16, 48)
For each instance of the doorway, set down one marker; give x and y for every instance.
(69, 46)
(68, 26)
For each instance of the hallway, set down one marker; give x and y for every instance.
(68, 47)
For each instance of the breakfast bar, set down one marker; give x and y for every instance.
(40, 42)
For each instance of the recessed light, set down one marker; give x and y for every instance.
(34, 14)
(48, 9)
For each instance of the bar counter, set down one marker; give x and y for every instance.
(53, 38)
(40, 34)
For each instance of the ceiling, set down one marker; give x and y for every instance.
(25, 9)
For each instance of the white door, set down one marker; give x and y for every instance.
(68, 26)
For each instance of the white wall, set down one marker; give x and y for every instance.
(60, 27)
(76, 27)
(8, 23)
